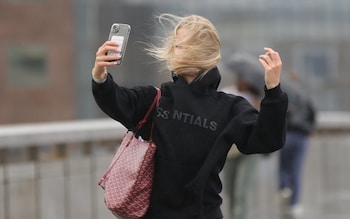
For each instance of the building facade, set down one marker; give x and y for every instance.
(36, 61)
(48, 47)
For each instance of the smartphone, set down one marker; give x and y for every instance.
(120, 34)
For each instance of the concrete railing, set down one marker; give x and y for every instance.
(51, 170)
(24, 135)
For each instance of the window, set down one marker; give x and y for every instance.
(24, 1)
(27, 65)
(316, 66)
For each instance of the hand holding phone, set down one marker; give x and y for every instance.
(120, 34)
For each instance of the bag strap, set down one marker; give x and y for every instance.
(154, 103)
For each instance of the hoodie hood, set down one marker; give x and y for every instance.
(210, 81)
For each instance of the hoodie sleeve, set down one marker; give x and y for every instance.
(263, 132)
(125, 105)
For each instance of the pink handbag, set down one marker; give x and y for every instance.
(128, 181)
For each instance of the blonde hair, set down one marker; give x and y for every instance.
(201, 41)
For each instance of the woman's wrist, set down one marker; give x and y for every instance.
(99, 77)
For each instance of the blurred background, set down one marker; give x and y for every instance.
(55, 143)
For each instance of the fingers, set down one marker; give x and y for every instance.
(265, 60)
(106, 60)
(272, 63)
(102, 59)
(107, 46)
(274, 55)
(270, 58)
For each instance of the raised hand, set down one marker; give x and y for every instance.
(102, 61)
(272, 63)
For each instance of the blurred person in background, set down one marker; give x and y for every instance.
(195, 125)
(300, 125)
(240, 169)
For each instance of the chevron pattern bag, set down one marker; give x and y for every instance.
(128, 181)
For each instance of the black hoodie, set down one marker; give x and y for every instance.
(195, 126)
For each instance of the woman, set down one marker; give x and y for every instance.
(195, 125)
